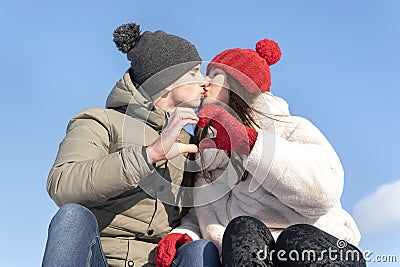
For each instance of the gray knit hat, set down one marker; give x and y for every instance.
(164, 57)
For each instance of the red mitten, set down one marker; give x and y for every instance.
(231, 134)
(166, 250)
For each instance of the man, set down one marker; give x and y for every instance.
(114, 161)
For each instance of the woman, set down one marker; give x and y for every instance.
(284, 179)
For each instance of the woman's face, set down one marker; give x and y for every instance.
(217, 88)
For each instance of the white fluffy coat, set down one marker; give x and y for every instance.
(296, 177)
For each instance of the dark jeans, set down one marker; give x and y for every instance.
(74, 240)
(248, 242)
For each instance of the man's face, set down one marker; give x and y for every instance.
(188, 90)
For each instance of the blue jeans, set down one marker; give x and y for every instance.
(197, 254)
(74, 240)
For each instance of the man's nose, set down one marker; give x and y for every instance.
(199, 77)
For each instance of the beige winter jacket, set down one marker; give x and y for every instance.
(101, 164)
(296, 177)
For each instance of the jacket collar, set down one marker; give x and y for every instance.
(137, 103)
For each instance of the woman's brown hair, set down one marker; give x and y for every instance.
(239, 103)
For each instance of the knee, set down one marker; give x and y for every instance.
(245, 222)
(300, 232)
(73, 215)
(197, 253)
(202, 246)
(247, 229)
(247, 226)
(295, 229)
(301, 227)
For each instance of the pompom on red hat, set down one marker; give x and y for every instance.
(249, 67)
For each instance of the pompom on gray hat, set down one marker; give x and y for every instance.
(152, 53)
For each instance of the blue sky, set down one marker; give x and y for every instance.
(339, 69)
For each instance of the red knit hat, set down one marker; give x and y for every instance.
(249, 67)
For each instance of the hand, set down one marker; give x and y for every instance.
(167, 247)
(231, 134)
(166, 145)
